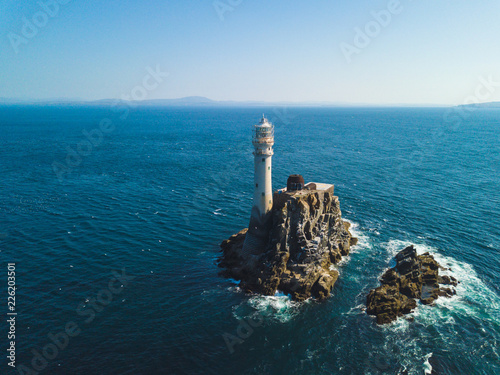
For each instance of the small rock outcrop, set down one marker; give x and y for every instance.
(307, 236)
(415, 277)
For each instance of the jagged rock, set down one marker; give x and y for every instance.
(306, 237)
(324, 284)
(448, 280)
(414, 277)
(446, 292)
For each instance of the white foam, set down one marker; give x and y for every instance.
(279, 308)
(494, 245)
(356, 310)
(338, 266)
(363, 239)
(427, 365)
(400, 326)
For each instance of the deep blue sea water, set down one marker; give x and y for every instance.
(164, 186)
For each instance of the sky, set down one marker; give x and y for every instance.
(438, 52)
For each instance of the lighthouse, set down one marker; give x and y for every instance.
(263, 141)
(258, 229)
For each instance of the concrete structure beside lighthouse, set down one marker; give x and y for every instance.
(258, 229)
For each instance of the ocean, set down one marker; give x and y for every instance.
(113, 216)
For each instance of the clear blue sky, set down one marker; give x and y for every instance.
(433, 51)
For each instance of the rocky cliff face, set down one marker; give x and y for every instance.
(415, 277)
(306, 237)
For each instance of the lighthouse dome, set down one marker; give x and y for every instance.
(263, 133)
(264, 122)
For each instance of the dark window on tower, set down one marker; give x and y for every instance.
(256, 185)
(263, 160)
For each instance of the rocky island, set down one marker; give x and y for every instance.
(415, 277)
(306, 236)
(295, 234)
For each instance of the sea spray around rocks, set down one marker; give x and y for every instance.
(414, 277)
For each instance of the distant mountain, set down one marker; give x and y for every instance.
(190, 101)
(200, 101)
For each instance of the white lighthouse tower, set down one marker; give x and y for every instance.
(263, 141)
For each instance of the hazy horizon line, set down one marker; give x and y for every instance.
(201, 100)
